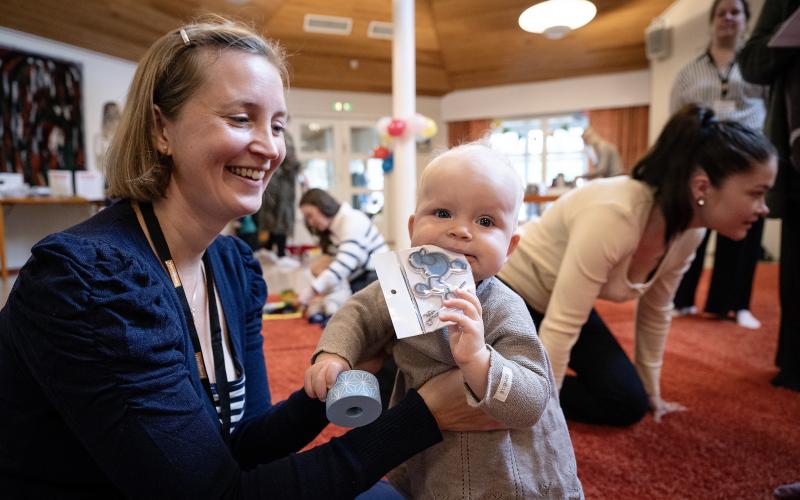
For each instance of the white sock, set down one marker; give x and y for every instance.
(745, 318)
(684, 311)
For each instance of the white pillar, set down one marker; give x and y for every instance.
(404, 90)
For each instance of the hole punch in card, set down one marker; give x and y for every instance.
(415, 283)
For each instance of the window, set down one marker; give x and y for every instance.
(541, 148)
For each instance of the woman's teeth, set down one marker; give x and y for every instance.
(250, 173)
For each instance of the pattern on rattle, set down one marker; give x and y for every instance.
(435, 267)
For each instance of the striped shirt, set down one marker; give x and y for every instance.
(236, 388)
(355, 239)
(700, 82)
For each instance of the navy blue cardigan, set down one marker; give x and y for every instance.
(100, 397)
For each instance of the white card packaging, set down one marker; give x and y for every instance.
(415, 282)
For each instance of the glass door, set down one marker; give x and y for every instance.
(336, 157)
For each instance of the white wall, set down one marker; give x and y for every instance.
(613, 90)
(690, 36)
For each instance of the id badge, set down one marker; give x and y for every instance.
(415, 283)
(724, 107)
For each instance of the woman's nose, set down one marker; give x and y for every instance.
(267, 145)
(763, 209)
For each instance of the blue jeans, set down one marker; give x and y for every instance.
(381, 490)
(606, 389)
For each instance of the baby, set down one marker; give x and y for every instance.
(468, 201)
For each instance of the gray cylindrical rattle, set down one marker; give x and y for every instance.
(354, 400)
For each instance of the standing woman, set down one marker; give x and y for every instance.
(714, 79)
(276, 216)
(346, 234)
(627, 238)
(131, 362)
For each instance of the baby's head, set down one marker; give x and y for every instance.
(467, 202)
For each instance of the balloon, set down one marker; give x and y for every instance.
(429, 130)
(383, 125)
(396, 127)
(380, 152)
(388, 163)
(418, 123)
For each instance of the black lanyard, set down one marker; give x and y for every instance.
(223, 391)
(723, 78)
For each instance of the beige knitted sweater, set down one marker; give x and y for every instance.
(534, 459)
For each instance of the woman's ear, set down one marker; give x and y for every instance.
(699, 184)
(159, 132)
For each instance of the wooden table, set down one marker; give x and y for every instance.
(540, 198)
(33, 200)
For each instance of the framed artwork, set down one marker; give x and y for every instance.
(41, 120)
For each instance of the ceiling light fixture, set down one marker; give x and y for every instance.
(555, 18)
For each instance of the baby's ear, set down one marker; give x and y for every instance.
(411, 226)
(512, 245)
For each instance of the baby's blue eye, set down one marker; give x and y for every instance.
(485, 222)
(442, 213)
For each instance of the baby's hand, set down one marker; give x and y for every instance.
(466, 336)
(322, 374)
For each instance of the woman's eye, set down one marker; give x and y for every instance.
(239, 119)
(442, 213)
(485, 222)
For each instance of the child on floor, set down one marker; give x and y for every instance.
(468, 202)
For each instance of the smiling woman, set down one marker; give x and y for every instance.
(632, 238)
(144, 377)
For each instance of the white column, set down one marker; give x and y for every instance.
(404, 90)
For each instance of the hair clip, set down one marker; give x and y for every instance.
(435, 266)
(185, 38)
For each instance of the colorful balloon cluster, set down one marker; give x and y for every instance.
(421, 126)
(390, 128)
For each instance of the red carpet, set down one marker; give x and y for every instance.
(739, 439)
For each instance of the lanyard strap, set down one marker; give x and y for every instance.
(723, 78)
(162, 249)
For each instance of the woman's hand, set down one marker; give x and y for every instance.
(444, 395)
(661, 407)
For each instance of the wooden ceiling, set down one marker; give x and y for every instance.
(461, 44)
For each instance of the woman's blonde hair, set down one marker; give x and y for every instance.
(167, 76)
